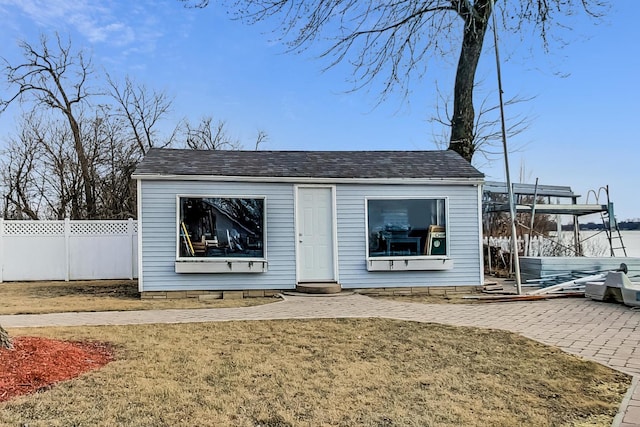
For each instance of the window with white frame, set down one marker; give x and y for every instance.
(408, 227)
(221, 227)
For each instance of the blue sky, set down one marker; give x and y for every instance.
(582, 130)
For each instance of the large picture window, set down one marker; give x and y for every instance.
(406, 227)
(221, 227)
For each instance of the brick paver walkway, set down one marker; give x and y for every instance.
(603, 332)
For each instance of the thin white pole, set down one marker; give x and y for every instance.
(533, 216)
(512, 209)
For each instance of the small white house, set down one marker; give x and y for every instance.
(273, 220)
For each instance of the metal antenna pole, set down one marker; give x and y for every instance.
(512, 209)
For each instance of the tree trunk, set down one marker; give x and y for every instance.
(476, 22)
(5, 340)
(87, 177)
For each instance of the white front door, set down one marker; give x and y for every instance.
(315, 234)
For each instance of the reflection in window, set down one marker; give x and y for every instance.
(406, 227)
(219, 227)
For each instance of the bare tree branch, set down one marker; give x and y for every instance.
(56, 79)
(209, 136)
(142, 110)
(389, 43)
(79, 164)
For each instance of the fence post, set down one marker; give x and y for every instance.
(131, 252)
(67, 249)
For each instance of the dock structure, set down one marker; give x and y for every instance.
(534, 199)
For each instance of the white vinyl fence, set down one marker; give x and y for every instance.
(504, 243)
(539, 246)
(533, 246)
(68, 250)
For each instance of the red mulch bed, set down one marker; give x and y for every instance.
(37, 363)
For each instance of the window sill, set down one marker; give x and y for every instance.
(409, 264)
(220, 266)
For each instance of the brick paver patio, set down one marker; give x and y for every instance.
(602, 332)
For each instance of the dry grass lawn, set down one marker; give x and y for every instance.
(371, 372)
(98, 295)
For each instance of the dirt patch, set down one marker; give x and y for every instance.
(36, 363)
(123, 290)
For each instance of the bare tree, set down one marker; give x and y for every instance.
(487, 125)
(56, 78)
(142, 110)
(41, 173)
(115, 162)
(207, 135)
(19, 175)
(79, 163)
(61, 183)
(392, 41)
(261, 138)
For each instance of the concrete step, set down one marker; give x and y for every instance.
(319, 288)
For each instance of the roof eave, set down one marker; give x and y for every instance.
(311, 180)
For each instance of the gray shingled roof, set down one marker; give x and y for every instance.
(308, 164)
